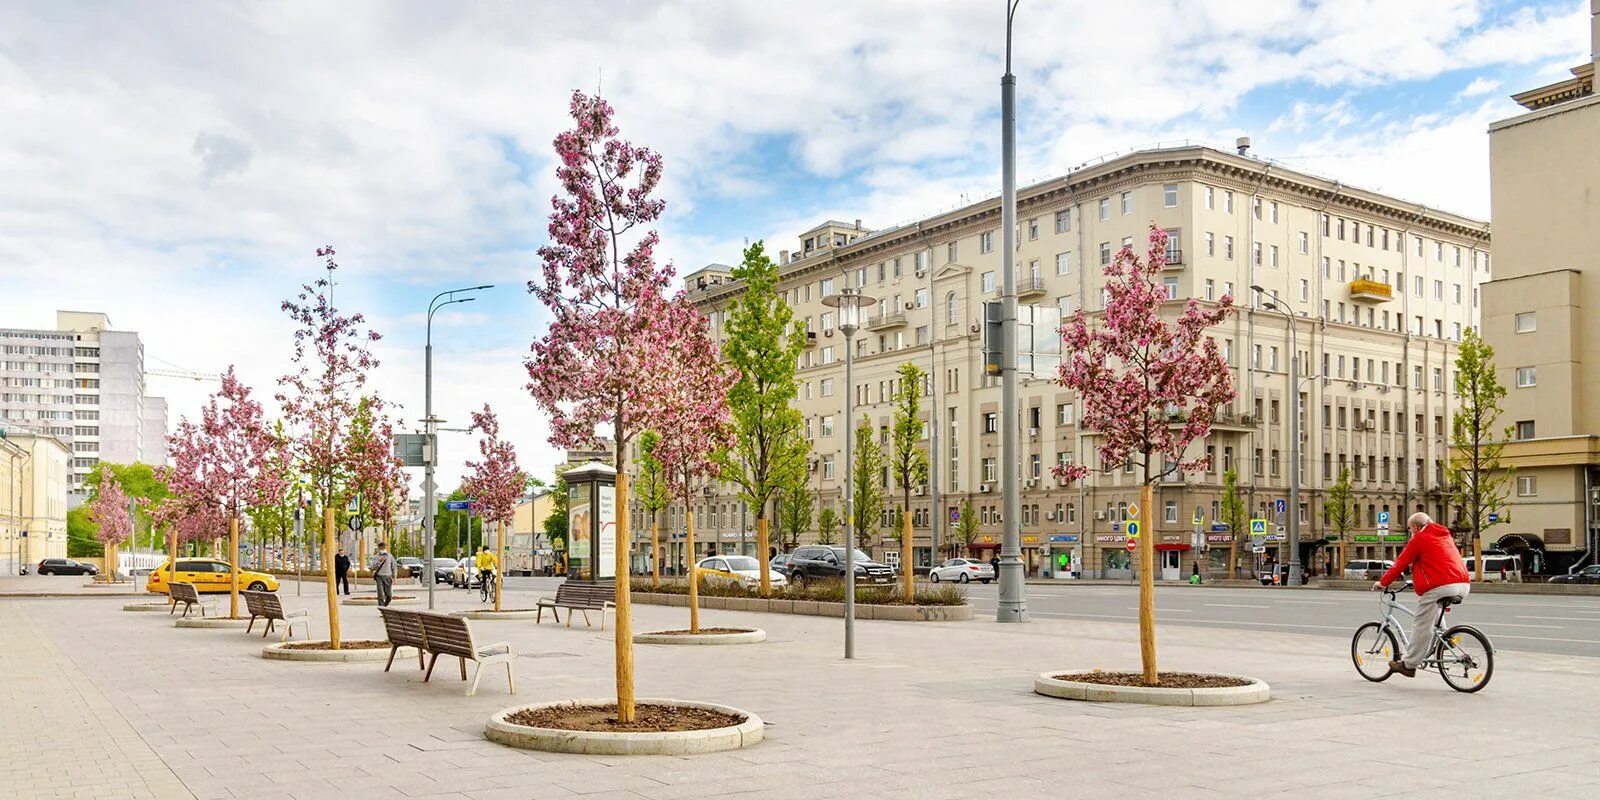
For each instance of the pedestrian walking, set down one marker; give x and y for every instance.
(341, 572)
(383, 567)
(994, 563)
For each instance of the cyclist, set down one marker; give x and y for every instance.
(1438, 571)
(486, 563)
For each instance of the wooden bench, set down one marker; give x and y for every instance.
(445, 635)
(579, 596)
(186, 594)
(265, 605)
(404, 629)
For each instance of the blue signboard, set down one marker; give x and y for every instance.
(1064, 538)
(1493, 517)
(1219, 526)
(457, 505)
(1280, 505)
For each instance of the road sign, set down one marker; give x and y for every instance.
(1133, 510)
(1258, 549)
(1258, 526)
(1133, 529)
(1133, 544)
(1199, 515)
(1494, 517)
(456, 505)
(955, 515)
(355, 523)
(1383, 520)
(1280, 505)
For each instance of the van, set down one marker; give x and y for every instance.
(1492, 564)
(1364, 569)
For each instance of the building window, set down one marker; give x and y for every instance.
(1105, 254)
(1273, 257)
(1211, 198)
(1171, 511)
(1527, 485)
(1064, 413)
(1105, 209)
(1227, 247)
(1171, 285)
(1525, 429)
(991, 422)
(1033, 228)
(1527, 376)
(1227, 201)
(986, 242)
(988, 282)
(1063, 263)
(1169, 195)
(1127, 203)
(827, 387)
(1305, 243)
(1527, 322)
(989, 472)
(1305, 290)
(1063, 221)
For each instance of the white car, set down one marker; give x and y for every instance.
(962, 570)
(743, 570)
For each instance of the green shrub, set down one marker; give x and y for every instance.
(817, 591)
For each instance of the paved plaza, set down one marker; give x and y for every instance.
(101, 703)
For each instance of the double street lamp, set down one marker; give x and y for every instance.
(1295, 381)
(431, 455)
(849, 302)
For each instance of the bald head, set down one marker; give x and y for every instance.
(1418, 521)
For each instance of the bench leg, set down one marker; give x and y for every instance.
(477, 675)
(511, 675)
(252, 625)
(431, 662)
(419, 658)
(463, 661)
(392, 650)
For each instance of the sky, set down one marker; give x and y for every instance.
(176, 165)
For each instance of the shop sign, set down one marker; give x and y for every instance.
(1219, 538)
(1064, 538)
(1109, 537)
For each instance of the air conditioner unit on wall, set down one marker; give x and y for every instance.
(983, 488)
(1099, 515)
(1050, 516)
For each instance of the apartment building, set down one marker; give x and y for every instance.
(1545, 174)
(1380, 291)
(33, 498)
(84, 383)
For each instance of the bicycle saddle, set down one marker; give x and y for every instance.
(1450, 601)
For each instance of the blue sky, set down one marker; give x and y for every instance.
(178, 166)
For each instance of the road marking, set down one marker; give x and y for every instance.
(1121, 618)
(1164, 609)
(1232, 605)
(1519, 625)
(1564, 619)
(1547, 639)
(1312, 602)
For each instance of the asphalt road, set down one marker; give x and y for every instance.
(1567, 625)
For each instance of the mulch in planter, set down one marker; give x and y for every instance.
(1164, 680)
(344, 644)
(700, 632)
(648, 718)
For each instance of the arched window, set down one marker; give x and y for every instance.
(952, 309)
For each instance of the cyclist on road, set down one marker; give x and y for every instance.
(486, 563)
(1438, 571)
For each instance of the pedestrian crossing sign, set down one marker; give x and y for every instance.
(1258, 527)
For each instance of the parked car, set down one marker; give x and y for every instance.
(743, 570)
(780, 564)
(443, 568)
(962, 570)
(414, 566)
(66, 566)
(208, 575)
(1493, 564)
(1365, 569)
(1282, 572)
(1589, 574)
(821, 562)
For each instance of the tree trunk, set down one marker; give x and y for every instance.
(761, 552)
(1147, 586)
(906, 577)
(500, 545)
(655, 549)
(694, 578)
(233, 566)
(172, 567)
(624, 632)
(1477, 557)
(328, 534)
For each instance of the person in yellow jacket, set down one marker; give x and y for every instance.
(486, 562)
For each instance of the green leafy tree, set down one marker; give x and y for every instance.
(827, 526)
(866, 485)
(654, 493)
(1479, 484)
(452, 529)
(763, 346)
(794, 514)
(555, 525)
(908, 461)
(1339, 509)
(1233, 512)
(966, 531)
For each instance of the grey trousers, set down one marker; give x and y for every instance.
(1427, 612)
(385, 584)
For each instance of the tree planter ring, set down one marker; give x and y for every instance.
(211, 622)
(158, 605)
(674, 743)
(1256, 691)
(372, 600)
(277, 652)
(489, 613)
(742, 636)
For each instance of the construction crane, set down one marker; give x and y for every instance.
(184, 373)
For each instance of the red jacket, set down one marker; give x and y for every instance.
(1434, 560)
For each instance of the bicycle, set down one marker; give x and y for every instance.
(488, 588)
(1461, 654)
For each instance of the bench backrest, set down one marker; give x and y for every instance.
(403, 627)
(252, 603)
(592, 595)
(263, 604)
(447, 635)
(183, 592)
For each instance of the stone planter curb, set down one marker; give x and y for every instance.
(677, 743)
(813, 608)
(353, 600)
(488, 613)
(275, 652)
(750, 636)
(160, 605)
(211, 622)
(1257, 691)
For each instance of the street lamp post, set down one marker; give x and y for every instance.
(849, 302)
(1013, 607)
(431, 455)
(1294, 434)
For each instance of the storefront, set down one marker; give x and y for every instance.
(1066, 559)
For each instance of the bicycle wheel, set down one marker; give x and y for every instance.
(1372, 648)
(1466, 659)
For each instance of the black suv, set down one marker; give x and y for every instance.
(66, 566)
(821, 563)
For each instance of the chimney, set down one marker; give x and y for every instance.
(858, 221)
(1243, 143)
(783, 257)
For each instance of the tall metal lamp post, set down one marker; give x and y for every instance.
(431, 455)
(1272, 304)
(1013, 605)
(849, 302)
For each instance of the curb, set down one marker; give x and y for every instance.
(156, 606)
(678, 743)
(275, 652)
(484, 613)
(813, 608)
(1257, 691)
(210, 622)
(353, 600)
(748, 636)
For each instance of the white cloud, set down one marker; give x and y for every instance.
(1479, 86)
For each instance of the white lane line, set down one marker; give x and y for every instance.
(1164, 610)
(1312, 602)
(1563, 619)
(1122, 618)
(1233, 605)
(1546, 639)
(1516, 625)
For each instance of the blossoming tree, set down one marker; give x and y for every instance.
(378, 480)
(1150, 389)
(320, 398)
(495, 483)
(653, 496)
(114, 520)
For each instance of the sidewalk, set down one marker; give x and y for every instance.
(930, 710)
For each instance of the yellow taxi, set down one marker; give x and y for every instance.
(209, 575)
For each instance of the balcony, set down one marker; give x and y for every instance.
(1174, 258)
(1030, 286)
(811, 338)
(1371, 290)
(893, 319)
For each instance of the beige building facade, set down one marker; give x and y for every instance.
(1545, 175)
(1380, 290)
(34, 478)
